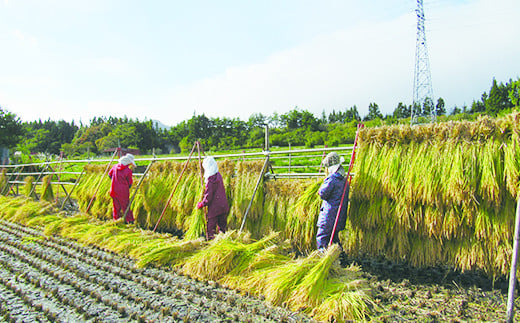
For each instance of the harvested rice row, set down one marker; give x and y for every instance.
(232, 259)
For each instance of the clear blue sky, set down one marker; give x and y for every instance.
(166, 60)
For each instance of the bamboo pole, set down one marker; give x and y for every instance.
(33, 189)
(6, 186)
(58, 183)
(199, 148)
(514, 260)
(12, 186)
(73, 188)
(347, 183)
(137, 188)
(254, 192)
(59, 177)
(175, 187)
(101, 180)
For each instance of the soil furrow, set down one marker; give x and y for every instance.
(87, 280)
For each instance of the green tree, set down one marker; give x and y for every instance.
(514, 93)
(373, 112)
(440, 107)
(498, 99)
(353, 114)
(11, 130)
(295, 119)
(456, 110)
(33, 140)
(401, 111)
(427, 107)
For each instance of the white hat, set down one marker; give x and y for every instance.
(333, 161)
(127, 160)
(210, 167)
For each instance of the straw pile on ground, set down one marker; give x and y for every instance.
(438, 194)
(316, 284)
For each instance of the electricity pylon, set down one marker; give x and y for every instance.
(422, 85)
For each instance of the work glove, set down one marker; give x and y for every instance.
(200, 205)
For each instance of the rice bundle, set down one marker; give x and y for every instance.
(442, 193)
(309, 290)
(28, 187)
(3, 182)
(197, 225)
(278, 283)
(302, 218)
(344, 306)
(169, 252)
(247, 174)
(228, 252)
(46, 189)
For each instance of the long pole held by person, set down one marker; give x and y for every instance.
(347, 182)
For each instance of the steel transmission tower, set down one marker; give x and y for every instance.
(422, 85)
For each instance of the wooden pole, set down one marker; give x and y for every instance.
(254, 192)
(33, 189)
(101, 180)
(5, 190)
(53, 171)
(137, 188)
(175, 187)
(59, 178)
(347, 183)
(199, 148)
(73, 187)
(514, 260)
(16, 178)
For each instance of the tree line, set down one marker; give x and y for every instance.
(297, 127)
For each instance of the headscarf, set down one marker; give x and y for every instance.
(127, 160)
(333, 163)
(210, 167)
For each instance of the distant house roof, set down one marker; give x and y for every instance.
(124, 151)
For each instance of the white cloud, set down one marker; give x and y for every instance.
(469, 45)
(330, 72)
(371, 63)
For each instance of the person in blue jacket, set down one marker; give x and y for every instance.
(330, 192)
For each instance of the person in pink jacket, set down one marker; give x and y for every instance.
(121, 176)
(214, 198)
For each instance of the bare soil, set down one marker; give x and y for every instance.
(434, 294)
(51, 279)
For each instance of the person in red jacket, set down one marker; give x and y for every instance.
(121, 176)
(214, 198)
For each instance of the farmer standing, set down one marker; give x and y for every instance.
(121, 176)
(330, 192)
(214, 198)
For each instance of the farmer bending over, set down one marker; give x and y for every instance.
(330, 192)
(214, 198)
(121, 176)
